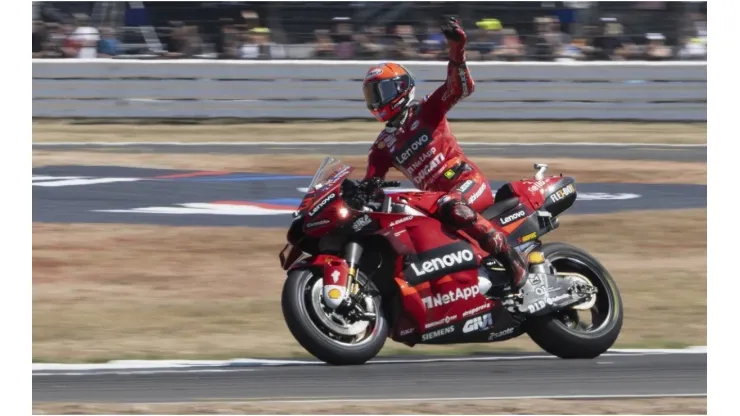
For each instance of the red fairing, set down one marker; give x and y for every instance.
(289, 255)
(435, 304)
(532, 191)
(433, 293)
(325, 210)
(335, 269)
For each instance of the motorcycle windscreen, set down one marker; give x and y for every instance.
(331, 172)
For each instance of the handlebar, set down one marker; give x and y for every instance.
(360, 193)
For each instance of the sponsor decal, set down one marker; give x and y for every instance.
(476, 309)
(501, 334)
(438, 333)
(479, 323)
(444, 263)
(513, 217)
(373, 72)
(402, 220)
(541, 290)
(465, 186)
(536, 280)
(333, 295)
(411, 149)
(429, 168)
(335, 276)
(477, 194)
(562, 193)
(555, 299)
(399, 233)
(439, 299)
(528, 237)
(317, 224)
(445, 320)
(316, 209)
(361, 223)
(449, 174)
(414, 125)
(536, 306)
(407, 332)
(390, 141)
(537, 186)
(420, 161)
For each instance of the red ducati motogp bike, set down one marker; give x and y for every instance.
(365, 263)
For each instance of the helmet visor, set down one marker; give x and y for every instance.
(380, 93)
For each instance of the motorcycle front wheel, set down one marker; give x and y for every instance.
(332, 336)
(586, 330)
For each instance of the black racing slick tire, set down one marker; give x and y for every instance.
(314, 337)
(552, 334)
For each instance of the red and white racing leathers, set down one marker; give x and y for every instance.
(424, 149)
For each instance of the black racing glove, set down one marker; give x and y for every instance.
(453, 31)
(456, 38)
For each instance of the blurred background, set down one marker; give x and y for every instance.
(498, 31)
(162, 188)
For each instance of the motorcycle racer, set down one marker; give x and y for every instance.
(417, 141)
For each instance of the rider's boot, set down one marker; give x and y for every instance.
(534, 289)
(541, 291)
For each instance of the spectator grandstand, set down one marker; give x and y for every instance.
(505, 31)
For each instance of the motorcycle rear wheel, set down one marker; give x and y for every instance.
(562, 333)
(317, 336)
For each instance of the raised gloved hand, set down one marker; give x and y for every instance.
(456, 38)
(453, 31)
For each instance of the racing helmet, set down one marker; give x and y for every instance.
(388, 89)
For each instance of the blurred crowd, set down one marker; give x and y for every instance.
(490, 39)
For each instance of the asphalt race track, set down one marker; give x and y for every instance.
(508, 376)
(109, 194)
(677, 153)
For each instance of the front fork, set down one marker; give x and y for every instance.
(340, 277)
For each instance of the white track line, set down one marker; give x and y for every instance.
(125, 373)
(167, 366)
(449, 399)
(368, 143)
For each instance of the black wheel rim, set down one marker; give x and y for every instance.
(600, 314)
(309, 297)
